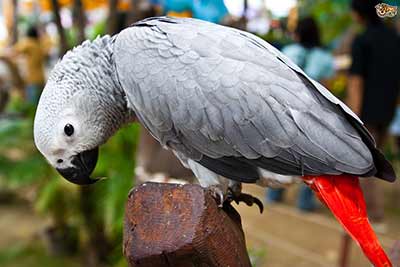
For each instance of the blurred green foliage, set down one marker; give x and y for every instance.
(22, 166)
(257, 256)
(17, 255)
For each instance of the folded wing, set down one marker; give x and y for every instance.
(229, 100)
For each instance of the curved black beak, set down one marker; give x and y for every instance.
(84, 164)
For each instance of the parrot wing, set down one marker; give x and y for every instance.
(232, 102)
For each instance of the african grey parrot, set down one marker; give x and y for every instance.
(228, 104)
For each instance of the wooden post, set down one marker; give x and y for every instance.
(181, 226)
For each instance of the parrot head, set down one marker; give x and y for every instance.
(81, 107)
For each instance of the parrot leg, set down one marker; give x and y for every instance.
(217, 194)
(217, 184)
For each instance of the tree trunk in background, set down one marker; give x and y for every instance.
(79, 20)
(14, 37)
(134, 15)
(97, 245)
(112, 17)
(141, 9)
(97, 241)
(243, 19)
(60, 28)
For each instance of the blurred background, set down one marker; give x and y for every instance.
(45, 221)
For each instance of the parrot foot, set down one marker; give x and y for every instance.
(217, 194)
(249, 200)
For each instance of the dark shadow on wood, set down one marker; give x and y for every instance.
(181, 226)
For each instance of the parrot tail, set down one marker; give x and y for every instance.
(343, 196)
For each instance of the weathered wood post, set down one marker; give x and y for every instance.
(181, 226)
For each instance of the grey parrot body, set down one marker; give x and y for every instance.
(231, 102)
(227, 103)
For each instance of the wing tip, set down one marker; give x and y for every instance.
(385, 170)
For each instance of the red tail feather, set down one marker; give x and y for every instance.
(343, 196)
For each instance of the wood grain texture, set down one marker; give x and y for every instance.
(181, 226)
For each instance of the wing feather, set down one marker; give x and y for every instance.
(227, 96)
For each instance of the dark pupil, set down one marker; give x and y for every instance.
(69, 129)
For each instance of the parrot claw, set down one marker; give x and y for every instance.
(249, 200)
(234, 195)
(218, 195)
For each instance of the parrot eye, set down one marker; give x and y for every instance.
(69, 129)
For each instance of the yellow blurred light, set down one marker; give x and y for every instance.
(46, 5)
(3, 31)
(183, 14)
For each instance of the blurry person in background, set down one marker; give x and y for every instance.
(308, 53)
(317, 63)
(373, 88)
(30, 48)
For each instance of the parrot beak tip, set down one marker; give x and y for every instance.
(83, 165)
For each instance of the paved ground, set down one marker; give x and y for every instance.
(18, 224)
(20, 244)
(290, 238)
